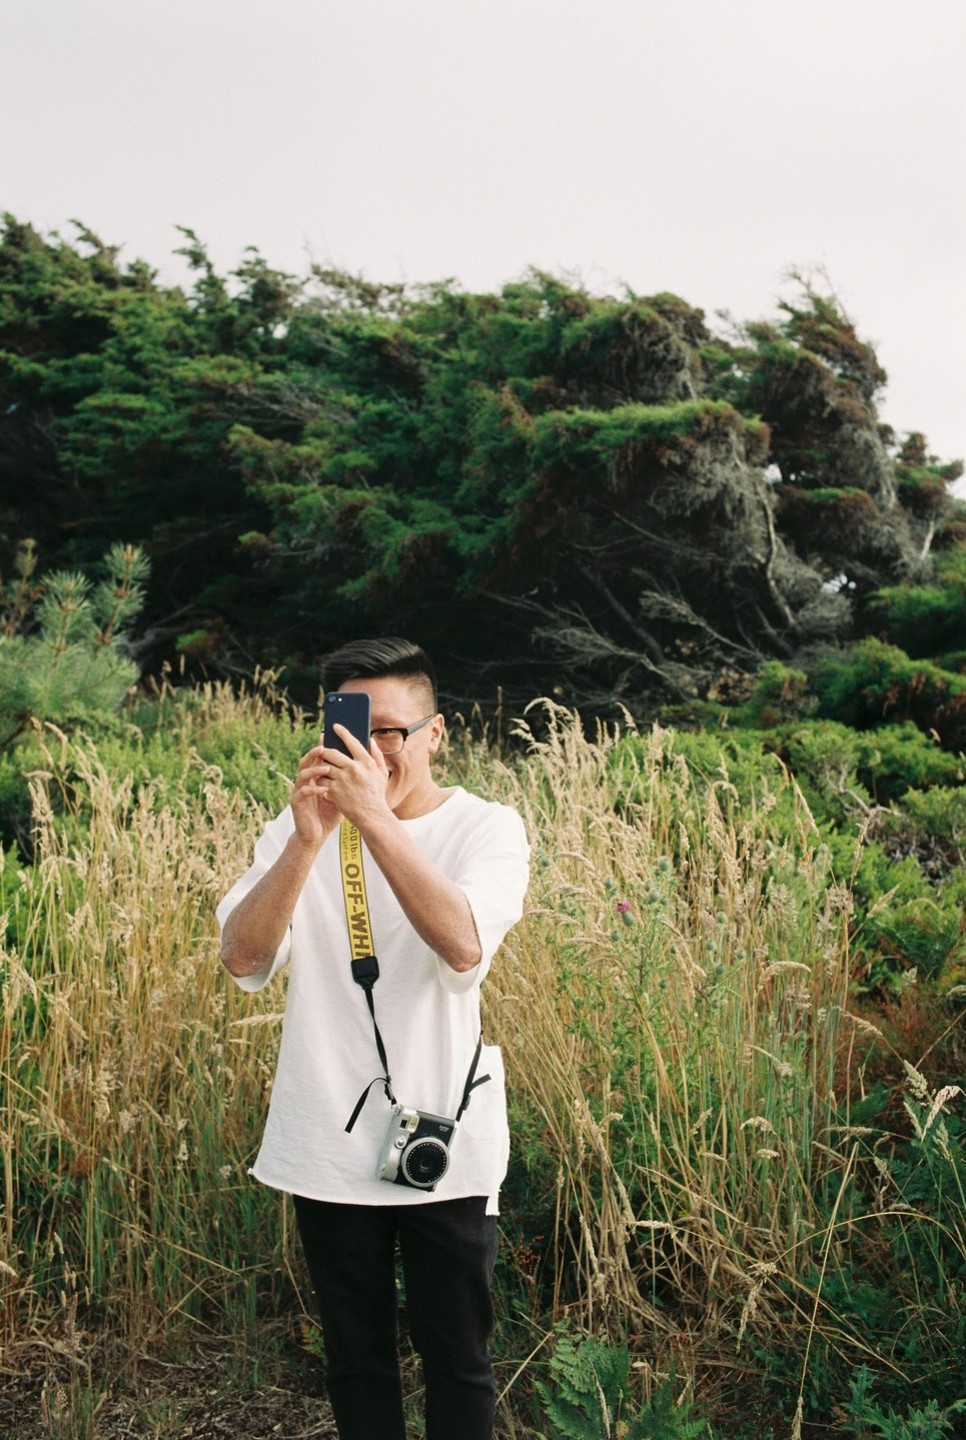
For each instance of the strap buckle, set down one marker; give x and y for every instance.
(365, 971)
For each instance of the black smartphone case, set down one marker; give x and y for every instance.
(350, 708)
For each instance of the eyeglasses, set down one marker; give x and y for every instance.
(391, 738)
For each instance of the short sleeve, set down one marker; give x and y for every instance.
(269, 847)
(492, 870)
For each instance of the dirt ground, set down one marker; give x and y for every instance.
(80, 1385)
(161, 1401)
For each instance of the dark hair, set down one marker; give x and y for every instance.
(371, 659)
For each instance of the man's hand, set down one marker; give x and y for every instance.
(314, 814)
(352, 785)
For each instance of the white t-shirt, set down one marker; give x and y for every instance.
(428, 1014)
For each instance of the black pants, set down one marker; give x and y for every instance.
(448, 1250)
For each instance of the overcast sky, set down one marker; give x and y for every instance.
(699, 146)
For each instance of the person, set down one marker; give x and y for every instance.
(445, 875)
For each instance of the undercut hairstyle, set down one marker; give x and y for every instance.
(373, 659)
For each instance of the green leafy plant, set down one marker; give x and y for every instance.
(923, 934)
(871, 1422)
(590, 1396)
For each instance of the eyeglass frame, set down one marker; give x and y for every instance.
(403, 730)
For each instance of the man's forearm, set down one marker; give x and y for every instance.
(256, 927)
(435, 906)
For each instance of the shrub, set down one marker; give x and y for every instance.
(62, 645)
(872, 682)
(779, 694)
(927, 620)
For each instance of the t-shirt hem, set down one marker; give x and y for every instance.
(398, 1195)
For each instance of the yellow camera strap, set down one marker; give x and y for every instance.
(355, 897)
(365, 966)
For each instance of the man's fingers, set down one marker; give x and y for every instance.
(357, 751)
(311, 760)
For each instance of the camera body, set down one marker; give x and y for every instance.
(416, 1148)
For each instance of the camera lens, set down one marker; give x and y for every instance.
(424, 1162)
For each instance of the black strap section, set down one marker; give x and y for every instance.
(365, 1096)
(365, 972)
(471, 1084)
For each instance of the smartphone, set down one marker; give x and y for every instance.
(350, 708)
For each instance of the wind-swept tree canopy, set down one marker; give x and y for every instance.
(595, 496)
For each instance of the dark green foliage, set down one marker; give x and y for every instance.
(940, 817)
(873, 682)
(118, 397)
(815, 383)
(922, 934)
(16, 817)
(917, 1254)
(780, 693)
(927, 620)
(464, 462)
(855, 506)
(557, 492)
(882, 764)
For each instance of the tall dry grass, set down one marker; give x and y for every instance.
(673, 1010)
(133, 1075)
